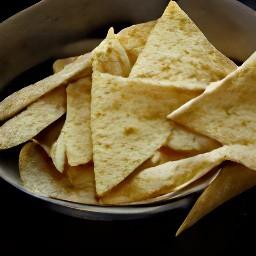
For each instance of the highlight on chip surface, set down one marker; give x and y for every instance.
(178, 52)
(226, 111)
(58, 152)
(39, 176)
(123, 137)
(232, 180)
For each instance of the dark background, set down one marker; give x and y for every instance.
(27, 225)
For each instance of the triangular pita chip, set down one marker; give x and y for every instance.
(226, 111)
(178, 52)
(34, 119)
(58, 152)
(128, 124)
(175, 175)
(39, 176)
(18, 100)
(232, 180)
(77, 127)
(47, 137)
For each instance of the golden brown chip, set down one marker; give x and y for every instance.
(25, 96)
(226, 111)
(110, 57)
(175, 175)
(128, 124)
(232, 180)
(178, 52)
(117, 142)
(34, 119)
(39, 176)
(77, 128)
(80, 67)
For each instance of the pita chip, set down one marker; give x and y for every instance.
(128, 122)
(110, 57)
(134, 38)
(176, 175)
(39, 177)
(226, 111)
(232, 180)
(81, 175)
(77, 127)
(74, 142)
(107, 60)
(15, 102)
(178, 52)
(47, 137)
(36, 117)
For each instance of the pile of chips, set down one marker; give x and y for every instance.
(150, 111)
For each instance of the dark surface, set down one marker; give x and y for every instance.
(27, 224)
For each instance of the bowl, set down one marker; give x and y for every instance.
(32, 39)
